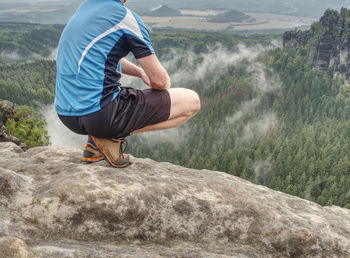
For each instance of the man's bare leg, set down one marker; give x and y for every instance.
(185, 104)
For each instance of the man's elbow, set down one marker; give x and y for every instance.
(161, 83)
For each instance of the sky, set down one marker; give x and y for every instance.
(301, 8)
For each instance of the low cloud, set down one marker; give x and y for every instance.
(53, 54)
(261, 169)
(185, 67)
(246, 108)
(259, 127)
(61, 135)
(260, 80)
(212, 64)
(17, 57)
(14, 56)
(175, 136)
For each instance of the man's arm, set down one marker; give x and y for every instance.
(159, 78)
(129, 68)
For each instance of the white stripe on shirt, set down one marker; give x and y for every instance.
(129, 22)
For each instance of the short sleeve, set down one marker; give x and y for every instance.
(139, 42)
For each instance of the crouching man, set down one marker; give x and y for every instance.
(90, 99)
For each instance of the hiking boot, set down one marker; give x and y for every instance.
(91, 153)
(112, 151)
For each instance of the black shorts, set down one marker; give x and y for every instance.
(131, 110)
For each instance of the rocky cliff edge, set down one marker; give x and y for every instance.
(330, 43)
(53, 205)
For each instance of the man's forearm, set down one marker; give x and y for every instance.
(159, 78)
(129, 68)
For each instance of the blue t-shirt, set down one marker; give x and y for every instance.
(100, 33)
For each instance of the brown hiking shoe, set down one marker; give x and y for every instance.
(91, 153)
(112, 151)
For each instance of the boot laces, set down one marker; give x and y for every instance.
(123, 146)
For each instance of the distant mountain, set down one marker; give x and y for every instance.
(309, 8)
(163, 10)
(230, 16)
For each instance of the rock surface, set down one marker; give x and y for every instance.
(5, 136)
(8, 110)
(53, 205)
(295, 38)
(330, 44)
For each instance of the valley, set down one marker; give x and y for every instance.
(197, 20)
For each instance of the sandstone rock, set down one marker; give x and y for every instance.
(323, 52)
(330, 49)
(5, 136)
(295, 38)
(61, 207)
(10, 183)
(8, 110)
(14, 247)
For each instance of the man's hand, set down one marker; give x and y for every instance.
(145, 78)
(130, 69)
(153, 74)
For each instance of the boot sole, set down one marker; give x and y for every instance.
(90, 156)
(109, 161)
(92, 160)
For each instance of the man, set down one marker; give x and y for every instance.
(89, 97)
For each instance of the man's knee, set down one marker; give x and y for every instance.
(196, 103)
(191, 103)
(185, 102)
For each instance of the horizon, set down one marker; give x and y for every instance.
(262, 16)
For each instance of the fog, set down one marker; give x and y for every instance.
(59, 134)
(53, 54)
(14, 55)
(261, 169)
(261, 123)
(261, 126)
(215, 63)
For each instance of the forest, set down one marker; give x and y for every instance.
(22, 42)
(266, 115)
